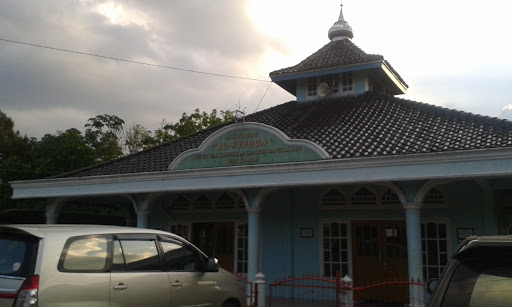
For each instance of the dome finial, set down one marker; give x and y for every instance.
(341, 29)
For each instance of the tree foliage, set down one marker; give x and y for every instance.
(105, 138)
(139, 138)
(63, 152)
(103, 133)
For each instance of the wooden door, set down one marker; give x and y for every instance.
(216, 240)
(380, 254)
(224, 241)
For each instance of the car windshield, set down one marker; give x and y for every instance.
(484, 278)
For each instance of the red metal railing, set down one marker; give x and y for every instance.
(307, 290)
(251, 290)
(395, 292)
(311, 290)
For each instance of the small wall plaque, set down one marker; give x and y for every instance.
(306, 232)
(463, 233)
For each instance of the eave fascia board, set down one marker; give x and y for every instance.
(322, 72)
(391, 75)
(452, 165)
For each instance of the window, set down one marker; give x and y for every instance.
(346, 82)
(225, 201)
(483, 278)
(434, 196)
(17, 257)
(332, 81)
(364, 197)
(203, 203)
(312, 85)
(84, 254)
(434, 242)
(241, 248)
(335, 249)
(180, 203)
(390, 198)
(333, 198)
(181, 257)
(136, 255)
(396, 241)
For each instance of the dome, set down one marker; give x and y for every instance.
(341, 29)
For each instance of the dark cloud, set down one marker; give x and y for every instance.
(47, 90)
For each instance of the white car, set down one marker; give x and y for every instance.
(93, 265)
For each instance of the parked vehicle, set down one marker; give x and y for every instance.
(93, 265)
(480, 274)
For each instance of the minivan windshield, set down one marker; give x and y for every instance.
(482, 279)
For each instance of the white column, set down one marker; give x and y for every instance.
(415, 262)
(260, 284)
(52, 210)
(142, 218)
(253, 248)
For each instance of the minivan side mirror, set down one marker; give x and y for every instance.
(431, 284)
(212, 265)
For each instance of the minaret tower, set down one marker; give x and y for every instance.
(338, 69)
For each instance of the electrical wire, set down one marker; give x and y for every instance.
(131, 61)
(262, 98)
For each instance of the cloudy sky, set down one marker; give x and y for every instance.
(455, 54)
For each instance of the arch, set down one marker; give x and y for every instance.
(426, 187)
(257, 199)
(333, 197)
(364, 193)
(142, 202)
(393, 187)
(53, 209)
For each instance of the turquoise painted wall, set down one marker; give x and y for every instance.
(463, 208)
(285, 212)
(276, 237)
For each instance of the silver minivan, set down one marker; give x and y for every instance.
(93, 265)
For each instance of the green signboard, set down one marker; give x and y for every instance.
(248, 144)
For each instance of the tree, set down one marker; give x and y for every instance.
(15, 156)
(193, 123)
(139, 138)
(63, 152)
(103, 133)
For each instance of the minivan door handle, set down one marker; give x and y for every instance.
(177, 283)
(120, 286)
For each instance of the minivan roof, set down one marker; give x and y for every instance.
(472, 242)
(44, 230)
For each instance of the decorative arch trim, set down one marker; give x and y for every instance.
(248, 144)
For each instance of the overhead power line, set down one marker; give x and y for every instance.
(133, 62)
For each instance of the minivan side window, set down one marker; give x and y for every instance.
(136, 255)
(181, 257)
(84, 254)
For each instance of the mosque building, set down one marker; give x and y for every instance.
(347, 178)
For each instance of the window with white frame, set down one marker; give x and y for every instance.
(242, 240)
(332, 81)
(312, 85)
(434, 243)
(335, 248)
(346, 82)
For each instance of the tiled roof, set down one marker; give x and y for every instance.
(333, 55)
(358, 126)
